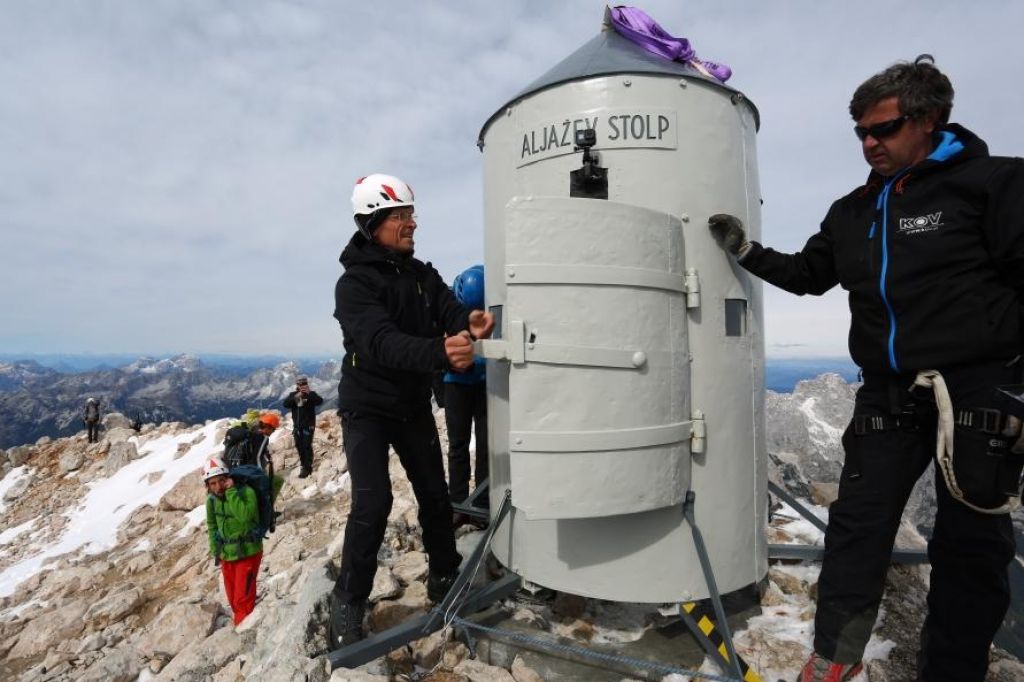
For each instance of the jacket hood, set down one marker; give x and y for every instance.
(362, 250)
(974, 146)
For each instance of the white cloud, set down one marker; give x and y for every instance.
(191, 161)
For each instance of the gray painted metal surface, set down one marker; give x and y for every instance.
(606, 54)
(613, 386)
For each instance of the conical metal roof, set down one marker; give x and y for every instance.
(606, 54)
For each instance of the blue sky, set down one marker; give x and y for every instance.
(175, 175)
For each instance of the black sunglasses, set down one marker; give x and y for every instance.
(882, 130)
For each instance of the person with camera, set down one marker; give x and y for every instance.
(303, 403)
(931, 251)
(400, 325)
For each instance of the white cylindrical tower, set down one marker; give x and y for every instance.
(629, 361)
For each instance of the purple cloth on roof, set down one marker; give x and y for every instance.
(639, 27)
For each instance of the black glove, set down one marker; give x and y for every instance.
(728, 231)
(216, 561)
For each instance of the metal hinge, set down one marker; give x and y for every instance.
(698, 432)
(692, 288)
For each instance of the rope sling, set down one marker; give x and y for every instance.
(932, 379)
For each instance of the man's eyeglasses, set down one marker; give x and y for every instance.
(882, 130)
(402, 216)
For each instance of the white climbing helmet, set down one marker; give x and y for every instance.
(214, 467)
(378, 192)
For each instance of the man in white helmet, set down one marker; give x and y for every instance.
(401, 324)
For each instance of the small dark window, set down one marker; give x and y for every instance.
(735, 317)
(495, 310)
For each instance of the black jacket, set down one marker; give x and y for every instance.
(394, 311)
(933, 259)
(303, 415)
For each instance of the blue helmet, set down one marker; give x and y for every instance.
(469, 287)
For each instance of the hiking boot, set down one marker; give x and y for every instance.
(346, 622)
(305, 473)
(819, 669)
(438, 586)
(459, 520)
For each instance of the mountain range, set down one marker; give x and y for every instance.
(38, 401)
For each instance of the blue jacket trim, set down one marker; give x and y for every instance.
(948, 147)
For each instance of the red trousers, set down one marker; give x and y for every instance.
(240, 584)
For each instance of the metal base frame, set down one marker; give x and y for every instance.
(729, 663)
(468, 506)
(381, 643)
(817, 552)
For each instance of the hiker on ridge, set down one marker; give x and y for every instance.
(91, 417)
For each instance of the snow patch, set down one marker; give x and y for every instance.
(93, 523)
(820, 431)
(9, 481)
(878, 649)
(9, 535)
(193, 519)
(343, 482)
(800, 528)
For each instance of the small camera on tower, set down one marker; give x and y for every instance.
(585, 139)
(590, 180)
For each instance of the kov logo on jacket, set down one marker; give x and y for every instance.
(922, 223)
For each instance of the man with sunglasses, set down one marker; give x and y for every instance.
(401, 325)
(931, 250)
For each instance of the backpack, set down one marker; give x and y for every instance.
(238, 445)
(254, 477)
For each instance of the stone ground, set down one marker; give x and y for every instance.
(153, 608)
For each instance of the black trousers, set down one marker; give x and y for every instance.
(969, 551)
(366, 440)
(304, 444)
(93, 428)
(465, 405)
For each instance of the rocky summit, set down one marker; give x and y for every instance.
(105, 572)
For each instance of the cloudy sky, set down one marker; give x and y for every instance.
(175, 175)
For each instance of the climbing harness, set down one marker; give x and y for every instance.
(985, 420)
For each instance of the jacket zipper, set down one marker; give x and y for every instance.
(870, 257)
(883, 205)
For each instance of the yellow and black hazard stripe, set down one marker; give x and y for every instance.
(701, 623)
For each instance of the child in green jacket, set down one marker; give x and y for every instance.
(236, 539)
